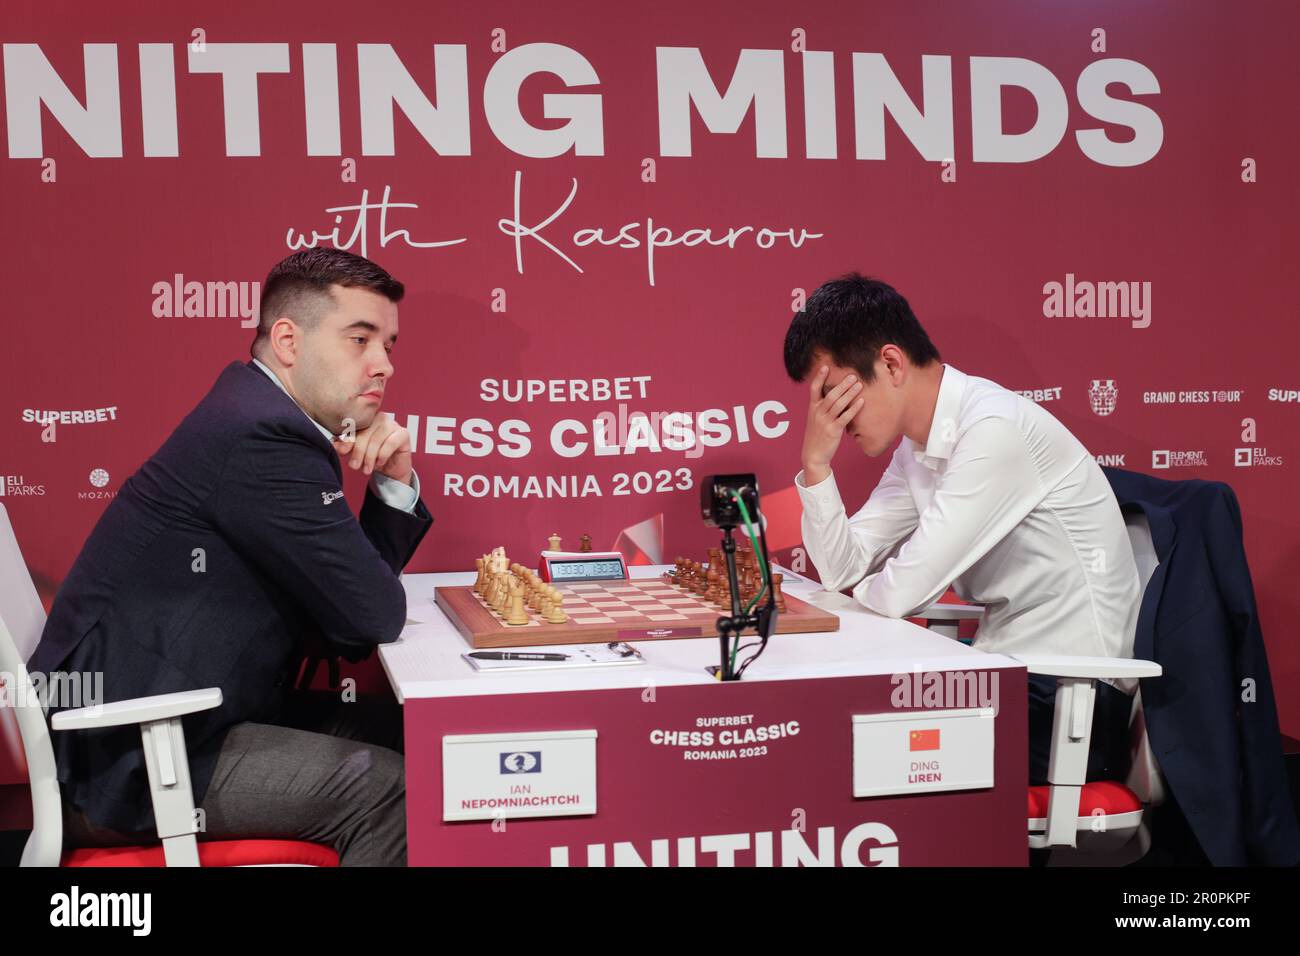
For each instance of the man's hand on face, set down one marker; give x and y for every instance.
(383, 446)
(828, 416)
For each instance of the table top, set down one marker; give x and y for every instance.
(426, 660)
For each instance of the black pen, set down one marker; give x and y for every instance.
(513, 656)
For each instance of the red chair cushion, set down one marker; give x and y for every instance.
(1109, 796)
(213, 853)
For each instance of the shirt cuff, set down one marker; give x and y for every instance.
(396, 494)
(820, 501)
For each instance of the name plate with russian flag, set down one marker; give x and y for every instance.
(548, 773)
(922, 751)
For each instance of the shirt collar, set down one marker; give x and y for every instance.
(275, 378)
(943, 428)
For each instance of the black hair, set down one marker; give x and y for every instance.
(298, 286)
(850, 319)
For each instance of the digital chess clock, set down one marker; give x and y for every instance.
(569, 567)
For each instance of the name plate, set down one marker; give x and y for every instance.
(549, 773)
(922, 751)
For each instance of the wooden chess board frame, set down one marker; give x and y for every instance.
(640, 609)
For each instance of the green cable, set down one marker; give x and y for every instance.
(762, 564)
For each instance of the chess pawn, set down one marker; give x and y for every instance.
(679, 570)
(584, 544)
(478, 582)
(554, 614)
(776, 591)
(711, 592)
(516, 616)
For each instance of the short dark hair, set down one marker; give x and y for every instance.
(851, 318)
(298, 286)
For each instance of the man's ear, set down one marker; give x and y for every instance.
(286, 340)
(889, 355)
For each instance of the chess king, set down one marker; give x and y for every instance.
(229, 545)
(986, 491)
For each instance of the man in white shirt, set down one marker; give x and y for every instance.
(986, 492)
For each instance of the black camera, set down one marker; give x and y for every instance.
(718, 504)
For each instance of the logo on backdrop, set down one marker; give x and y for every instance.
(1220, 396)
(98, 479)
(17, 486)
(86, 416)
(1040, 395)
(1102, 396)
(1178, 459)
(1255, 458)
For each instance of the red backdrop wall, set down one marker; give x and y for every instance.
(1195, 217)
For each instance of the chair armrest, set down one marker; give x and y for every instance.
(140, 710)
(939, 611)
(1063, 665)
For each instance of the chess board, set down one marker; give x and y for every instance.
(644, 609)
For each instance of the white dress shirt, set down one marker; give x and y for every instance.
(394, 493)
(1006, 506)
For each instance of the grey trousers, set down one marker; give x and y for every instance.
(327, 771)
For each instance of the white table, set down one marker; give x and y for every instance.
(652, 798)
(426, 661)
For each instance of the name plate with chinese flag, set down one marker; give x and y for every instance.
(921, 751)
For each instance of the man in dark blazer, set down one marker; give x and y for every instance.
(1211, 716)
(231, 544)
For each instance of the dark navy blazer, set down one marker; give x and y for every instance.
(1220, 755)
(250, 480)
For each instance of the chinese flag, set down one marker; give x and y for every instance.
(923, 740)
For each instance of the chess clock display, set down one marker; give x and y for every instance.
(576, 568)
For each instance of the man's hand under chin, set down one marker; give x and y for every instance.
(384, 447)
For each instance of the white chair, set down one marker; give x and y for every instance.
(1086, 824)
(162, 734)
